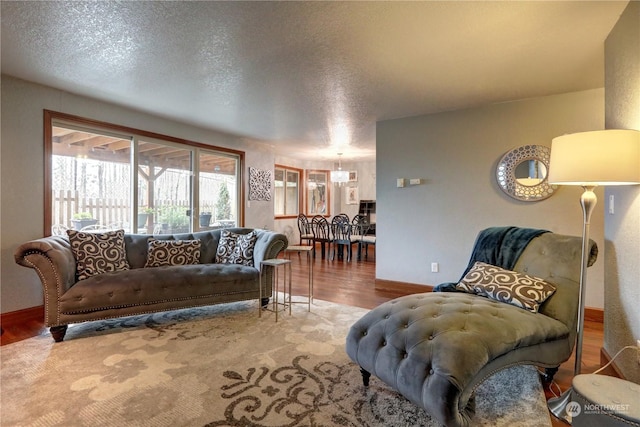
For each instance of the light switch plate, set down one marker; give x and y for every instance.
(612, 204)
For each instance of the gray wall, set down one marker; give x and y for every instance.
(622, 230)
(22, 180)
(456, 154)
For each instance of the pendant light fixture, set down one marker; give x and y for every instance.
(339, 175)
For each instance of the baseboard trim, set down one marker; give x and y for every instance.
(18, 317)
(611, 370)
(594, 314)
(401, 287)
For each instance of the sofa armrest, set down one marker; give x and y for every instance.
(53, 261)
(268, 246)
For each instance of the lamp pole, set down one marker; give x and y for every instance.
(557, 405)
(588, 201)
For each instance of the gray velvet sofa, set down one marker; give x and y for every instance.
(436, 348)
(140, 290)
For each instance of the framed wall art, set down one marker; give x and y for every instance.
(351, 196)
(259, 184)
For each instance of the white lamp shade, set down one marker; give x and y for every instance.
(339, 176)
(605, 157)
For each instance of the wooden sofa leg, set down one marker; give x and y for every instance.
(58, 332)
(547, 377)
(365, 377)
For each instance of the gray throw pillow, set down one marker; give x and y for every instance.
(172, 252)
(98, 253)
(511, 287)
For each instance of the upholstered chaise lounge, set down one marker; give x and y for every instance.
(436, 348)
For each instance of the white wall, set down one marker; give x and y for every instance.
(622, 230)
(22, 180)
(366, 185)
(456, 154)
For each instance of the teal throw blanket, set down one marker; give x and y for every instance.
(500, 246)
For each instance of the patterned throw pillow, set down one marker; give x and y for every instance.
(98, 253)
(172, 252)
(508, 286)
(236, 248)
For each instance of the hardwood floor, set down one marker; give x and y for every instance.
(353, 284)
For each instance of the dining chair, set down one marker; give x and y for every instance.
(341, 229)
(359, 234)
(359, 220)
(365, 241)
(321, 234)
(304, 227)
(342, 217)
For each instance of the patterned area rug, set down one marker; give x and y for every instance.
(223, 366)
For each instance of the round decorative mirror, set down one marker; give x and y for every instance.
(522, 173)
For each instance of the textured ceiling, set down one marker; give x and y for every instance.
(311, 78)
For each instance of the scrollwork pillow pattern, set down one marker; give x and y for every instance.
(236, 248)
(511, 287)
(172, 252)
(98, 253)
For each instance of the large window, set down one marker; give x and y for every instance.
(287, 198)
(90, 184)
(102, 176)
(218, 198)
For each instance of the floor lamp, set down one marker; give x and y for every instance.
(589, 159)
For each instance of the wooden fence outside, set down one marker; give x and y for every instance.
(109, 212)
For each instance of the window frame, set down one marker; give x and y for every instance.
(301, 193)
(54, 118)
